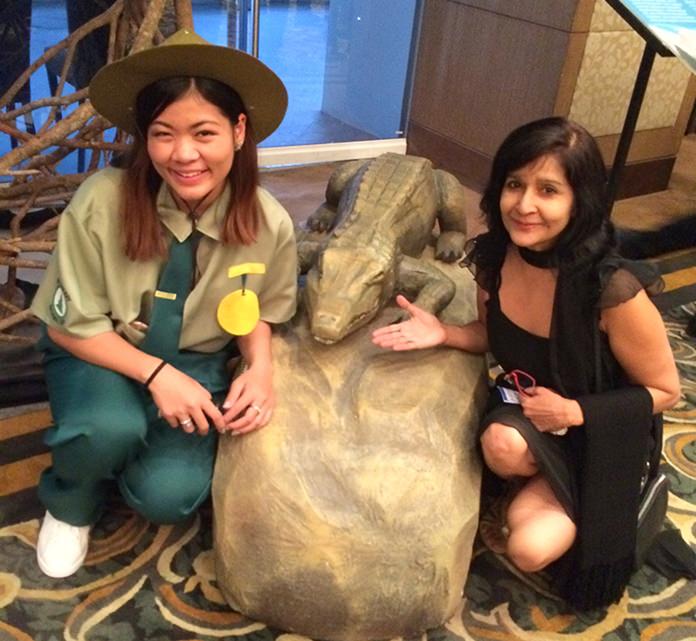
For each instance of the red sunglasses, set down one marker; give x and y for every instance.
(523, 382)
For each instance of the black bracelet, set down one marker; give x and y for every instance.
(154, 373)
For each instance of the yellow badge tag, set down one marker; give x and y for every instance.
(246, 268)
(238, 312)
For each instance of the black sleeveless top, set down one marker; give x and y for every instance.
(516, 348)
(579, 359)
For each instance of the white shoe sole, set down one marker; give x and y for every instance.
(58, 574)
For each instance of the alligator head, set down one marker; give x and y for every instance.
(346, 289)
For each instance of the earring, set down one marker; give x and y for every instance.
(238, 146)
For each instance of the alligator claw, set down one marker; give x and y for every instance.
(450, 246)
(447, 256)
(322, 219)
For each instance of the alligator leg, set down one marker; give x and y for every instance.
(451, 207)
(326, 215)
(433, 290)
(307, 251)
(322, 219)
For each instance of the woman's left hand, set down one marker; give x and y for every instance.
(250, 401)
(549, 411)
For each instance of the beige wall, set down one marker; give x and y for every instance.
(605, 80)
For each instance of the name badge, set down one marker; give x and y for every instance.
(509, 395)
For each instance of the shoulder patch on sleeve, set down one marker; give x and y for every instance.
(59, 304)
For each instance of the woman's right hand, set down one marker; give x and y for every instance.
(181, 398)
(420, 331)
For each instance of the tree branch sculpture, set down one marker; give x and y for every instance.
(71, 124)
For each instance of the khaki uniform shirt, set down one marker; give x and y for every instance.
(91, 286)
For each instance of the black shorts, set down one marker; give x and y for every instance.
(555, 455)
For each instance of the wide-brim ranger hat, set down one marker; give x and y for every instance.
(115, 87)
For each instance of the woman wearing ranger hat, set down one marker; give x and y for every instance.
(162, 271)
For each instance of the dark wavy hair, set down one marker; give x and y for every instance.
(142, 233)
(589, 231)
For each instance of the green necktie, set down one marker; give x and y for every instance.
(175, 283)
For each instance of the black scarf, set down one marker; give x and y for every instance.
(616, 433)
(614, 439)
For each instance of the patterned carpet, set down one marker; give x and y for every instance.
(148, 583)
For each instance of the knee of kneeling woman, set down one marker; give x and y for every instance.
(502, 447)
(164, 501)
(528, 558)
(531, 552)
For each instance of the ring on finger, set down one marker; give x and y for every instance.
(186, 422)
(256, 407)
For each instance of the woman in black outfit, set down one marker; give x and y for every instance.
(588, 368)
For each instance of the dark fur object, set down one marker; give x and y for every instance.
(637, 245)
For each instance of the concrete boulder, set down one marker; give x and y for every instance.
(353, 514)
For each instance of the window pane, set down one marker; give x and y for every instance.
(344, 62)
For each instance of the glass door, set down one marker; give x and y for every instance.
(345, 64)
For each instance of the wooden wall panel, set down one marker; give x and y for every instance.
(481, 83)
(569, 74)
(558, 14)
(480, 74)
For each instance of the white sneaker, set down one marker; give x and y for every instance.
(61, 548)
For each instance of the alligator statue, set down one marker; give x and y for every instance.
(381, 214)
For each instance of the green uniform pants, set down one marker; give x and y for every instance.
(107, 430)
